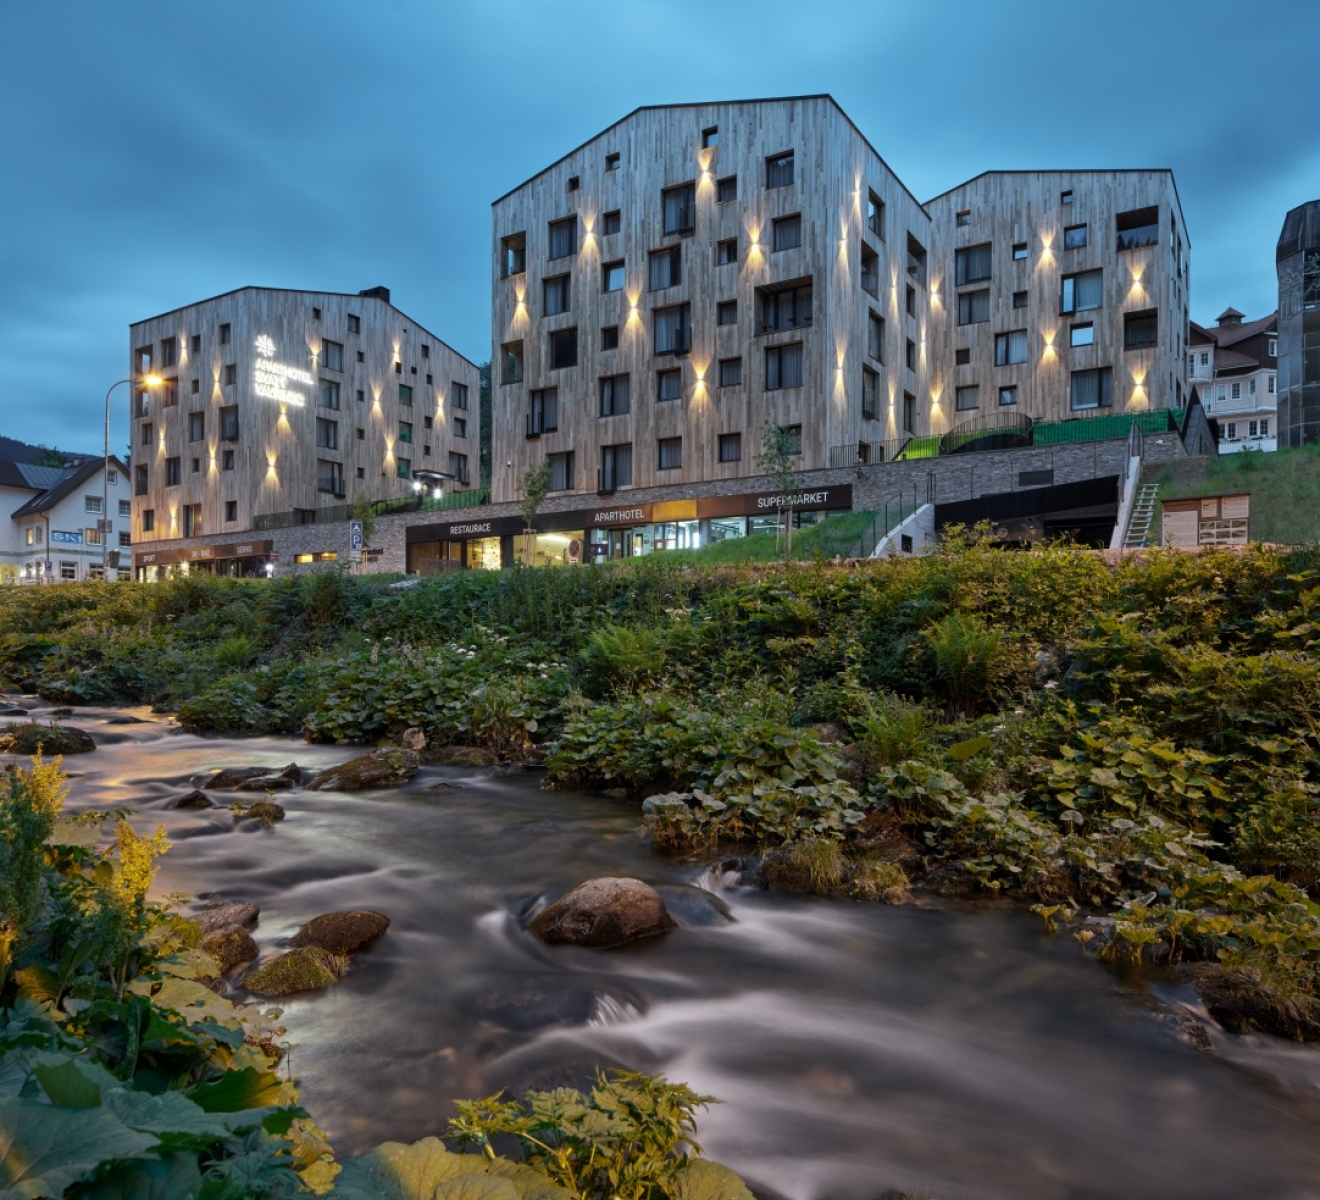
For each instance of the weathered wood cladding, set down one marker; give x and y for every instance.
(1025, 208)
(834, 172)
(276, 453)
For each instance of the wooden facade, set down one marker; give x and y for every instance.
(1043, 228)
(612, 194)
(278, 401)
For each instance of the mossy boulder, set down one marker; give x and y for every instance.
(1245, 998)
(255, 779)
(51, 740)
(193, 800)
(462, 756)
(812, 867)
(230, 946)
(224, 915)
(603, 913)
(265, 811)
(342, 932)
(302, 970)
(380, 768)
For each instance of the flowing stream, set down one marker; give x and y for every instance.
(857, 1048)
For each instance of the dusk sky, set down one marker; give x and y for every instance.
(157, 154)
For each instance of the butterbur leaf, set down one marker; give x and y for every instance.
(701, 1179)
(961, 751)
(239, 1090)
(476, 1187)
(44, 1150)
(176, 1120)
(72, 1084)
(175, 1177)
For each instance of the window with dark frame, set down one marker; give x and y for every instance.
(971, 264)
(196, 387)
(140, 483)
(910, 354)
(786, 307)
(563, 349)
(227, 460)
(875, 215)
(1019, 251)
(870, 272)
(1074, 237)
(665, 268)
(327, 395)
(231, 511)
(513, 254)
(875, 335)
(556, 295)
(225, 333)
(614, 396)
(574, 182)
(909, 413)
(561, 471)
(196, 343)
(173, 472)
(679, 206)
(962, 357)
(1081, 335)
(870, 393)
(611, 223)
(974, 307)
(1019, 299)
(730, 372)
(511, 360)
(1011, 347)
(1066, 197)
(612, 276)
(1138, 228)
(1008, 395)
(405, 432)
(1082, 292)
(911, 302)
(1092, 389)
(148, 433)
(730, 447)
(405, 395)
(965, 399)
(672, 329)
(169, 352)
(669, 385)
(327, 434)
(354, 323)
(612, 161)
(543, 411)
(710, 136)
(332, 355)
(726, 252)
(726, 189)
(787, 232)
(609, 337)
(964, 217)
(779, 170)
(563, 237)
(783, 367)
(196, 427)
(669, 455)
(230, 375)
(316, 314)
(1141, 330)
(329, 477)
(726, 312)
(615, 467)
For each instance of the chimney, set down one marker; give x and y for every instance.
(376, 293)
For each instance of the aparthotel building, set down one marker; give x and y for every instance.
(1058, 294)
(276, 409)
(692, 271)
(1234, 367)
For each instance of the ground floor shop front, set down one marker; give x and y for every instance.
(238, 559)
(603, 533)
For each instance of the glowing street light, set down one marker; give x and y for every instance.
(149, 380)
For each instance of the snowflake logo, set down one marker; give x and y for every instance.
(265, 346)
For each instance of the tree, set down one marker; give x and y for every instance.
(533, 487)
(46, 457)
(780, 446)
(365, 511)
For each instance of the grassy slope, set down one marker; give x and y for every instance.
(1284, 487)
(836, 535)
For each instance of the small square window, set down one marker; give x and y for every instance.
(354, 323)
(670, 454)
(231, 510)
(726, 189)
(361, 356)
(612, 276)
(609, 337)
(962, 357)
(361, 434)
(1007, 395)
(316, 314)
(227, 460)
(398, 368)
(967, 398)
(225, 333)
(611, 223)
(965, 217)
(730, 372)
(726, 312)
(429, 379)
(196, 465)
(574, 182)
(231, 374)
(726, 252)
(730, 447)
(1019, 299)
(426, 350)
(1066, 197)
(710, 137)
(196, 343)
(361, 396)
(1019, 250)
(669, 385)
(612, 161)
(1074, 237)
(361, 473)
(1081, 335)
(787, 233)
(414, 370)
(196, 386)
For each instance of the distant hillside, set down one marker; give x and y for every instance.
(12, 450)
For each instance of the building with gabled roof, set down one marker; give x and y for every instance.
(1233, 365)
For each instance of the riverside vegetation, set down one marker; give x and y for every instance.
(1131, 749)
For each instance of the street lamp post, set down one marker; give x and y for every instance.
(150, 381)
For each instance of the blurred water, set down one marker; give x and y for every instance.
(857, 1048)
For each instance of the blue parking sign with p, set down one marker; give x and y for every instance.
(355, 535)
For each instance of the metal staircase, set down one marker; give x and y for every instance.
(1140, 531)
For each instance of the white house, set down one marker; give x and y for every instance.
(59, 528)
(1234, 368)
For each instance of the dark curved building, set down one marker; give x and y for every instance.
(1298, 261)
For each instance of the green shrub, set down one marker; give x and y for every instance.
(620, 658)
(230, 705)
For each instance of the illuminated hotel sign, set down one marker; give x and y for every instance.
(273, 380)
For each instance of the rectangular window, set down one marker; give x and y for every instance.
(1074, 237)
(140, 480)
(196, 427)
(458, 395)
(543, 416)
(971, 264)
(666, 268)
(1092, 389)
(910, 354)
(1271, 387)
(726, 189)
(196, 343)
(328, 394)
(611, 222)
(125, 540)
(710, 136)
(224, 335)
(974, 307)
(875, 336)
(329, 477)
(788, 232)
(615, 467)
(670, 456)
(673, 329)
(1019, 251)
(1019, 299)
(614, 396)
(909, 412)
(231, 511)
(1141, 330)
(561, 472)
(196, 387)
(68, 570)
(196, 465)
(911, 304)
(405, 395)
(680, 208)
(145, 356)
(964, 217)
(609, 337)
(1066, 197)
(669, 385)
(870, 271)
(148, 520)
(229, 423)
(169, 352)
(563, 349)
(730, 372)
(403, 468)
(730, 447)
(726, 312)
(126, 508)
(1082, 335)
(1010, 348)
(1007, 396)
(967, 398)
(327, 434)
(563, 237)
(170, 392)
(460, 428)
(962, 357)
(783, 367)
(513, 254)
(870, 393)
(511, 356)
(1137, 228)
(793, 438)
(458, 467)
(726, 252)
(1273, 348)
(333, 356)
(93, 536)
(354, 323)
(316, 314)
(612, 161)
(779, 170)
(1082, 292)
(92, 504)
(1237, 391)
(786, 307)
(556, 295)
(612, 277)
(226, 460)
(173, 472)
(875, 215)
(916, 260)
(574, 182)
